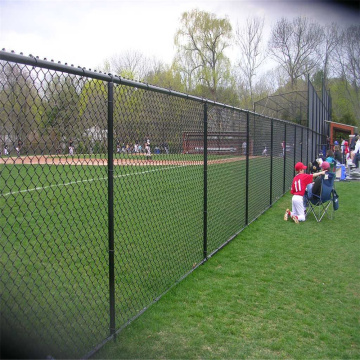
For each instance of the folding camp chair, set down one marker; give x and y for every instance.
(323, 204)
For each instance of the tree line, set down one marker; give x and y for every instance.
(265, 64)
(45, 109)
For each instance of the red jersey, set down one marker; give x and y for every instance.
(300, 182)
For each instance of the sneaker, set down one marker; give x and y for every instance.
(295, 218)
(287, 214)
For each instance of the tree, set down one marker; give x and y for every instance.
(201, 42)
(294, 45)
(251, 53)
(19, 103)
(329, 45)
(166, 77)
(61, 109)
(130, 64)
(348, 65)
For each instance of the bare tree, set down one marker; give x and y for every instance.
(327, 49)
(131, 64)
(349, 55)
(294, 45)
(348, 61)
(251, 53)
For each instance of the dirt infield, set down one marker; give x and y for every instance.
(69, 160)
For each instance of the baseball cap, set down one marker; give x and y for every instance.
(300, 166)
(325, 165)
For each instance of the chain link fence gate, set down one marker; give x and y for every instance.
(112, 191)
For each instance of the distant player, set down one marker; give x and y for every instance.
(244, 148)
(6, 150)
(71, 147)
(147, 149)
(264, 151)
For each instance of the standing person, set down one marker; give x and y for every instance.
(6, 150)
(71, 147)
(18, 148)
(327, 143)
(147, 149)
(346, 151)
(337, 152)
(298, 187)
(244, 148)
(353, 142)
(264, 153)
(342, 146)
(357, 153)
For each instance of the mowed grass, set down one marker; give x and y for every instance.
(55, 241)
(277, 291)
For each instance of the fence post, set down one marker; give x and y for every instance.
(301, 145)
(284, 151)
(111, 204)
(247, 167)
(205, 182)
(295, 145)
(271, 159)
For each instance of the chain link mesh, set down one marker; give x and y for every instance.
(175, 201)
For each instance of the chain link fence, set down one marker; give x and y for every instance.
(113, 191)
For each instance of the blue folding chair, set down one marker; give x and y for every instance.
(323, 204)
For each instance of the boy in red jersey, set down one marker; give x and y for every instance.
(298, 187)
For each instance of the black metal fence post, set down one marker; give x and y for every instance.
(295, 145)
(247, 166)
(284, 154)
(271, 159)
(205, 180)
(301, 144)
(111, 204)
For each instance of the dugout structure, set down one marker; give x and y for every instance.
(228, 143)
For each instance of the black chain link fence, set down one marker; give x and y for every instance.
(108, 198)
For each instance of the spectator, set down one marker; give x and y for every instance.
(357, 153)
(315, 187)
(330, 158)
(337, 152)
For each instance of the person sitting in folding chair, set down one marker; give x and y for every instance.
(320, 195)
(315, 187)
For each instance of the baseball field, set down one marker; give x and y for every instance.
(55, 247)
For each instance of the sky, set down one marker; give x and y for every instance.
(86, 32)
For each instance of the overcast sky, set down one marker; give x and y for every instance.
(86, 32)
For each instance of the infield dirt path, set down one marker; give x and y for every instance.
(56, 160)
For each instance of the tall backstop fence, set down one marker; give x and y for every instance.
(113, 191)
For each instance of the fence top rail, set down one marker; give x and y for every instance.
(35, 61)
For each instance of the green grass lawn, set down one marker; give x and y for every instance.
(55, 240)
(278, 290)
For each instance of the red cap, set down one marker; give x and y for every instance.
(325, 165)
(300, 166)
